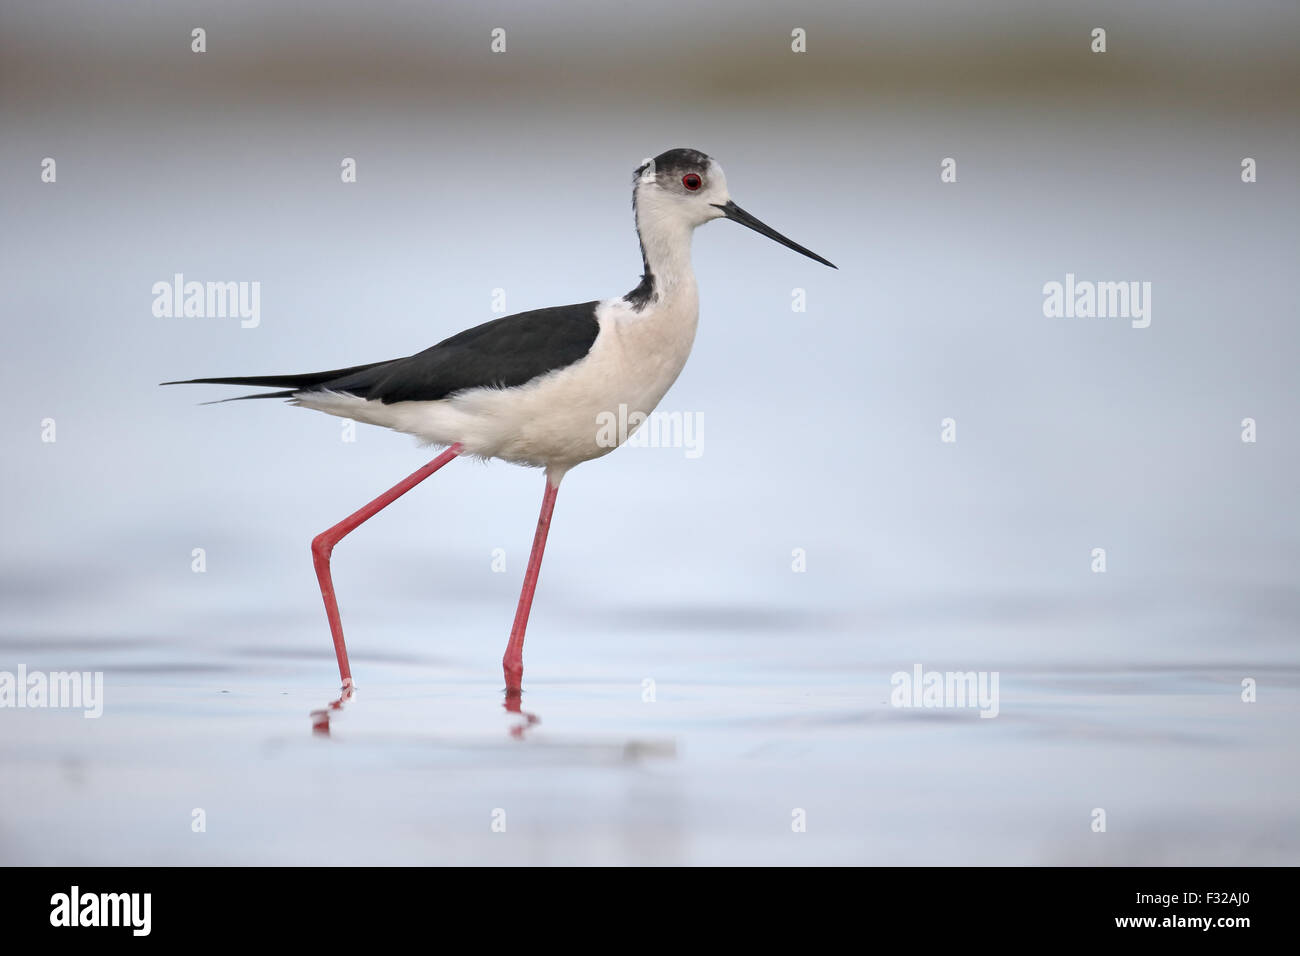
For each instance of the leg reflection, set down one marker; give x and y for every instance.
(320, 719)
(514, 705)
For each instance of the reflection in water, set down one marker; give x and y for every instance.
(320, 719)
(514, 705)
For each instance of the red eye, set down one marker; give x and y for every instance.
(691, 181)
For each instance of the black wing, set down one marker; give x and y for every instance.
(502, 353)
(498, 354)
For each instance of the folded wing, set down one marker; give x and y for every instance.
(503, 353)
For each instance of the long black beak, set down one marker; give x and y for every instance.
(736, 214)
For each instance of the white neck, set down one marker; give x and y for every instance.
(666, 247)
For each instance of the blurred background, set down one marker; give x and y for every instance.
(481, 171)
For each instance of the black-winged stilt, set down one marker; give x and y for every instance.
(533, 388)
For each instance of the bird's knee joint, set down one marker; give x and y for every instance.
(321, 546)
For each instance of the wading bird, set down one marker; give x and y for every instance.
(533, 388)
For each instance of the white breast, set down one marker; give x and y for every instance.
(554, 421)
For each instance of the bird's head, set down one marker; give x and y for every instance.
(688, 188)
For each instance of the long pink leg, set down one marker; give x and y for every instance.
(513, 662)
(322, 546)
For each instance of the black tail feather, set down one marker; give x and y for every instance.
(243, 398)
(293, 382)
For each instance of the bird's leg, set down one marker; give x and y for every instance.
(323, 545)
(513, 662)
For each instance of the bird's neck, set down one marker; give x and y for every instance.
(667, 277)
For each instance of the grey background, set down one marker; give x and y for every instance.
(821, 432)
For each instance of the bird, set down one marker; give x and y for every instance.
(532, 388)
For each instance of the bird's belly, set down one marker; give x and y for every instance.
(566, 417)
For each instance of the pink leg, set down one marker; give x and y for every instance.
(514, 659)
(323, 545)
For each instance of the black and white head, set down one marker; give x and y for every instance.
(684, 188)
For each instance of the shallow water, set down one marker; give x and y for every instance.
(418, 766)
